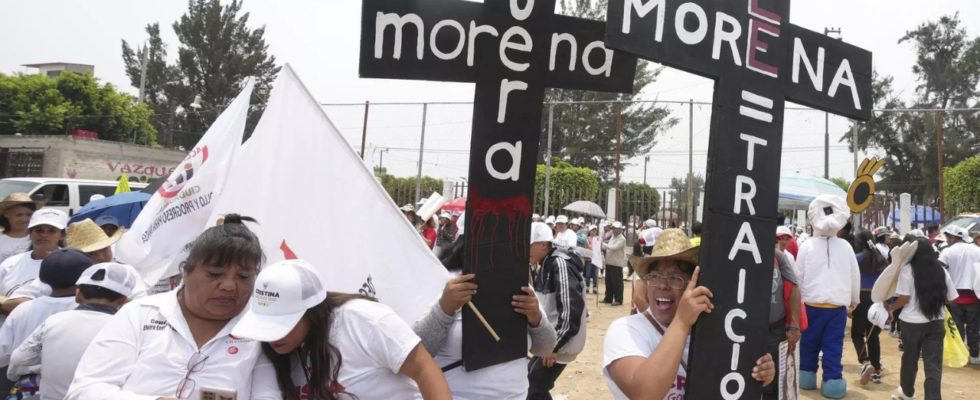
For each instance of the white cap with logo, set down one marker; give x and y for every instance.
(283, 292)
(541, 232)
(116, 277)
(49, 216)
(550, 220)
(561, 219)
(959, 232)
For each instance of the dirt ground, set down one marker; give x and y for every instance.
(583, 380)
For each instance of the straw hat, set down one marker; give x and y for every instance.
(15, 199)
(88, 237)
(672, 244)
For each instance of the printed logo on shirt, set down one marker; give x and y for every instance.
(237, 340)
(233, 350)
(679, 384)
(155, 325)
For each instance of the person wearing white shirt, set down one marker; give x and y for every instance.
(177, 345)
(564, 237)
(645, 355)
(15, 215)
(441, 331)
(923, 288)
(88, 237)
(324, 345)
(62, 338)
(961, 258)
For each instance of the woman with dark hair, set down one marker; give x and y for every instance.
(644, 355)
(330, 346)
(441, 330)
(429, 234)
(864, 334)
(47, 233)
(923, 289)
(15, 214)
(178, 345)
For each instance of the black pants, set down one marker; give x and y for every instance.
(967, 317)
(5, 384)
(541, 379)
(928, 339)
(776, 336)
(614, 284)
(861, 328)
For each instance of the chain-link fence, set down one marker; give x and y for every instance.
(661, 143)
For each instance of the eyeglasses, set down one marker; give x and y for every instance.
(186, 385)
(673, 282)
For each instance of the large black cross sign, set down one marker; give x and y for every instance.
(512, 50)
(759, 60)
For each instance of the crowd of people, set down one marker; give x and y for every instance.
(75, 324)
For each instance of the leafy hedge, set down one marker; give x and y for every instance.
(962, 186)
(568, 183)
(402, 190)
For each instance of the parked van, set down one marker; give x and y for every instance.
(68, 195)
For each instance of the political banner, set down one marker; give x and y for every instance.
(181, 208)
(315, 200)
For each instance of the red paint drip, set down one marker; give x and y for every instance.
(518, 211)
(287, 252)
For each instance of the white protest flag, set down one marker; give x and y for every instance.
(180, 210)
(316, 200)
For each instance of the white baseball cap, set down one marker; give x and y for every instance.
(107, 220)
(541, 232)
(617, 225)
(283, 292)
(49, 216)
(650, 223)
(878, 315)
(550, 220)
(536, 217)
(116, 277)
(952, 230)
(561, 219)
(783, 231)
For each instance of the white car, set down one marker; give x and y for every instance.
(68, 195)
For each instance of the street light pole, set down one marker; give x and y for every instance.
(645, 161)
(826, 138)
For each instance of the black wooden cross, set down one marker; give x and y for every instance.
(512, 50)
(758, 60)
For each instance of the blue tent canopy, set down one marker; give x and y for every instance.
(920, 214)
(796, 192)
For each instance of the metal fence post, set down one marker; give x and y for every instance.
(418, 181)
(367, 106)
(547, 162)
(690, 170)
(826, 146)
(939, 157)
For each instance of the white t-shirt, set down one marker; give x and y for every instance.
(635, 336)
(374, 342)
(60, 340)
(15, 272)
(143, 351)
(567, 239)
(906, 287)
(883, 249)
(26, 318)
(12, 246)
(960, 258)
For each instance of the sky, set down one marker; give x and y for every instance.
(320, 39)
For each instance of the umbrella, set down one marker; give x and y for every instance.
(798, 191)
(586, 207)
(124, 206)
(455, 205)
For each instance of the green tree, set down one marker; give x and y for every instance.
(948, 71)
(585, 134)
(41, 105)
(679, 198)
(217, 53)
(842, 183)
(962, 186)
